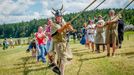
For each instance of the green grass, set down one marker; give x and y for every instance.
(17, 62)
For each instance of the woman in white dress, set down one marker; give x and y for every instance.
(90, 31)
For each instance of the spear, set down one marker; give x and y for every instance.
(125, 7)
(87, 8)
(82, 11)
(99, 5)
(120, 11)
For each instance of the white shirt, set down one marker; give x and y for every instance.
(90, 28)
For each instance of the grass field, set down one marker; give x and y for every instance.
(17, 62)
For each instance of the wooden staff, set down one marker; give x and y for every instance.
(99, 5)
(85, 10)
(120, 11)
(82, 11)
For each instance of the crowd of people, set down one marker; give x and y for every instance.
(106, 33)
(7, 43)
(52, 40)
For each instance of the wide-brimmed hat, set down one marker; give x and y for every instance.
(99, 16)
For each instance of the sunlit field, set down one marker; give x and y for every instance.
(15, 61)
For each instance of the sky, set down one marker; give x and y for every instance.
(12, 11)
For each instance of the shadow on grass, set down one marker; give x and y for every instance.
(130, 54)
(25, 60)
(26, 70)
(80, 53)
(32, 62)
(130, 57)
(77, 50)
(85, 59)
(26, 66)
(81, 63)
(127, 53)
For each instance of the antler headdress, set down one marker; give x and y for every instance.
(58, 12)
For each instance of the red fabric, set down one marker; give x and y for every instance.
(40, 40)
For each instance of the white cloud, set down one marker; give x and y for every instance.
(14, 19)
(37, 15)
(9, 7)
(19, 10)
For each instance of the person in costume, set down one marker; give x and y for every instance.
(5, 44)
(79, 36)
(11, 42)
(58, 31)
(120, 30)
(32, 46)
(74, 36)
(100, 34)
(48, 33)
(83, 40)
(49, 39)
(69, 51)
(91, 30)
(41, 43)
(111, 32)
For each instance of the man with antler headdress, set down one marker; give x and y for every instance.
(58, 32)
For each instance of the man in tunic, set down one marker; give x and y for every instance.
(100, 34)
(58, 31)
(111, 32)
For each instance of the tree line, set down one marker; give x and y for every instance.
(26, 29)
